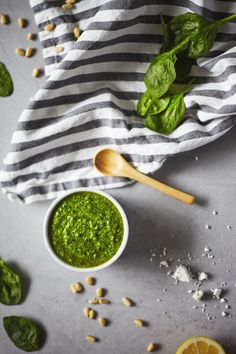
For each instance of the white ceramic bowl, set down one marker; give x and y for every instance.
(111, 260)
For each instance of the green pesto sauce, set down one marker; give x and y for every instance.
(86, 229)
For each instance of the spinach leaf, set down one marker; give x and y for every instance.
(23, 332)
(166, 42)
(160, 74)
(6, 84)
(149, 106)
(183, 68)
(201, 42)
(10, 285)
(183, 26)
(197, 32)
(168, 120)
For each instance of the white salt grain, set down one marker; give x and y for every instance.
(216, 292)
(182, 274)
(164, 264)
(202, 276)
(198, 295)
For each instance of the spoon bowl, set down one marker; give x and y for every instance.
(110, 163)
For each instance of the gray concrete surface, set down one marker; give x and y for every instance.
(156, 221)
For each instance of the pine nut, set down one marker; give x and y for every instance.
(20, 52)
(99, 292)
(49, 27)
(72, 2)
(93, 301)
(29, 52)
(76, 31)
(90, 339)
(90, 280)
(36, 72)
(76, 288)
(127, 302)
(151, 347)
(67, 6)
(86, 311)
(31, 36)
(91, 314)
(138, 323)
(104, 301)
(102, 322)
(4, 19)
(22, 22)
(59, 49)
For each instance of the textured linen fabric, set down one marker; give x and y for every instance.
(89, 99)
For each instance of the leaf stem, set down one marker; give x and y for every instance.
(226, 19)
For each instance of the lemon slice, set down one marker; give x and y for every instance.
(200, 345)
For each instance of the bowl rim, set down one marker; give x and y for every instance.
(101, 266)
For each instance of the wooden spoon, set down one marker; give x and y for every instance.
(110, 163)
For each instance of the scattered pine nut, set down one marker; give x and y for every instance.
(4, 20)
(20, 52)
(102, 322)
(29, 52)
(151, 347)
(76, 31)
(76, 288)
(49, 27)
(138, 323)
(86, 311)
(104, 301)
(90, 339)
(99, 292)
(36, 72)
(91, 314)
(22, 22)
(93, 301)
(72, 2)
(67, 6)
(59, 49)
(31, 36)
(127, 302)
(90, 280)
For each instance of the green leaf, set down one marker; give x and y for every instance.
(168, 120)
(160, 74)
(149, 106)
(23, 332)
(195, 32)
(6, 84)
(10, 285)
(183, 68)
(183, 26)
(201, 42)
(166, 42)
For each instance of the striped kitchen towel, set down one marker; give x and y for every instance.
(89, 99)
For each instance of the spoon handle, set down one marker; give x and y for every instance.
(172, 192)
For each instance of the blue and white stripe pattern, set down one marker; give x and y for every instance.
(89, 99)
